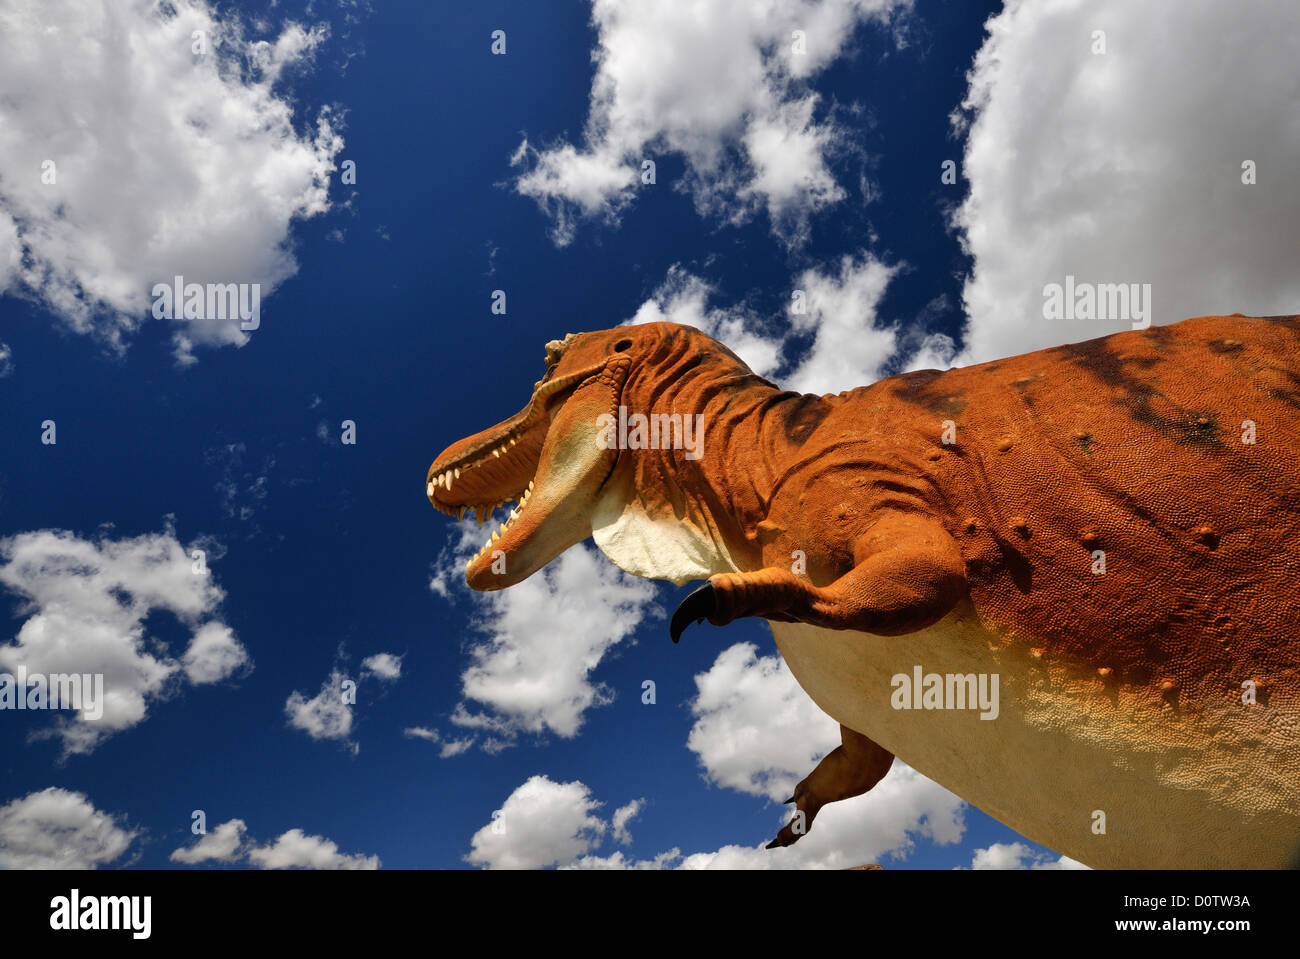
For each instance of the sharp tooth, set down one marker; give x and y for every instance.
(513, 441)
(457, 472)
(530, 486)
(430, 489)
(448, 475)
(460, 514)
(495, 536)
(496, 452)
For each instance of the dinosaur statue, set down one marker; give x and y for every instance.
(1109, 530)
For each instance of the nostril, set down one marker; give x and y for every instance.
(622, 345)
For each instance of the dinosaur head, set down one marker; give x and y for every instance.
(546, 457)
(646, 509)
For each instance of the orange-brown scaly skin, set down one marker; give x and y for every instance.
(1130, 444)
(979, 504)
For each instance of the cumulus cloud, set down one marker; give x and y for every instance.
(542, 640)
(1126, 166)
(220, 845)
(726, 86)
(883, 824)
(58, 829)
(6, 352)
(297, 850)
(136, 159)
(292, 850)
(1017, 855)
(213, 655)
(86, 602)
(327, 715)
(837, 309)
(756, 731)
(385, 666)
(848, 350)
(542, 823)
(684, 298)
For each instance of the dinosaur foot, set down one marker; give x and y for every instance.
(806, 807)
(696, 607)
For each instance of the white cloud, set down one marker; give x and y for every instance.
(213, 655)
(165, 163)
(86, 603)
(617, 860)
(756, 731)
(684, 298)
(936, 352)
(450, 747)
(718, 84)
(11, 251)
(327, 715)
(840, 310)
(58, 829)
(1017, 855)
(296, 850)
(624, 815)
(849, 350)
(6, 354)
(880, 825)
(1127, 166)
(221, 844)
(292, 850)
(544, 638)
(542, 823)
(384, 665)
(545, 823)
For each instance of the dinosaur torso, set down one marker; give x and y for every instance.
(1121, 686)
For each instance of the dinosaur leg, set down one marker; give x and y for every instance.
(909, 574)
(848, 770)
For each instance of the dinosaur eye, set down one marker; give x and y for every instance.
(622, 345)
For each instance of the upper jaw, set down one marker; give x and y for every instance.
(504, 457)
(503, 463)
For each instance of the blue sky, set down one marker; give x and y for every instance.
(376, 309)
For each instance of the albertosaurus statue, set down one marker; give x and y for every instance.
(1111, 529)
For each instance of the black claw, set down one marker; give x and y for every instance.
(774, 844)
(697, 607)
(788, 801)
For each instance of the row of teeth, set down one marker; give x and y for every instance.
(445, 479)
(498, 533)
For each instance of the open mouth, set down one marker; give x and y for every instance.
(501, 465)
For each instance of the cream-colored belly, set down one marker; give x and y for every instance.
(1198, 786)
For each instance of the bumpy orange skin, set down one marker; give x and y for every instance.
(1132, 445)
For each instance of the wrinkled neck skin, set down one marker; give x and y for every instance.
(663, 515)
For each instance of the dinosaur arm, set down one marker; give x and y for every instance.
(909, 574)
